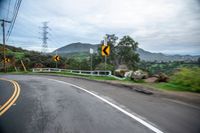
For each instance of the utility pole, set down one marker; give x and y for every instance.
(44, 37)
(4, 42)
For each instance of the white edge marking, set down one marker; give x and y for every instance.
(146, 124)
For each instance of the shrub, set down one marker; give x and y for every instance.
(139, 74)
(101, 66)
(120, 72)
(188, 77)
(162, 77)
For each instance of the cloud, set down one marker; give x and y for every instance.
(158, 25)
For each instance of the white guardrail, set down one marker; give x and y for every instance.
(83, 72)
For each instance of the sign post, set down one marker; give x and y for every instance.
(91, 52)
(105, 50)
(56, 58)
(105, 44)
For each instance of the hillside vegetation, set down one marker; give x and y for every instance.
(187, 77)
(83, 48)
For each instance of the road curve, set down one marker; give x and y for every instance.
(49, 106)
(12, 99)
(54, 104)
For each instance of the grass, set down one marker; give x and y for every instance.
(19, 55)
(102, 78)
(170, 87)
(188, 78)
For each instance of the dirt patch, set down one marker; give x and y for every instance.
(151, 80)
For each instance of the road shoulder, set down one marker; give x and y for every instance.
(179, 97)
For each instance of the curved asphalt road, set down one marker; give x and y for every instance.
(50, 106)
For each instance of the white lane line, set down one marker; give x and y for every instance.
(146, 124)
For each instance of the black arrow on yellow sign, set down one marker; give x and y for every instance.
(105, 50)
(56, 58)
(7, 60)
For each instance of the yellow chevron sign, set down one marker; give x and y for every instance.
(56, 58)
(7, 60)
(105, 50)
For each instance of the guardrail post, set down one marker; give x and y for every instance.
(110, 73)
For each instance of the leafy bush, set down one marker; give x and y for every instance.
(162, 77)
(120, 72)
(138, 75)
(101, 66)
(166, 67)
(188, 77)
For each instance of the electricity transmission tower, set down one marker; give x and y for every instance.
(44, 37)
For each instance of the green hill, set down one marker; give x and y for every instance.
(78, 49)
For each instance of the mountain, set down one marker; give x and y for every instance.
(148, 56)
(75, 49)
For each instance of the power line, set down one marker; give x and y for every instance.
(8, 10)
(53, 38)
(16, 10)
(22, 42)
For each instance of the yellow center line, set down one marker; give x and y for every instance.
(15, 91)
(12, 99)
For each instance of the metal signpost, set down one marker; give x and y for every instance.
(91, 52)
(105, 50)
(56, 58)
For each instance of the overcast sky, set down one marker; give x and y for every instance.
(167, 26)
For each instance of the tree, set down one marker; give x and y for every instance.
(126, 52)
(96, 59)
(123, 52)
(111, 41)
(198, 61)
